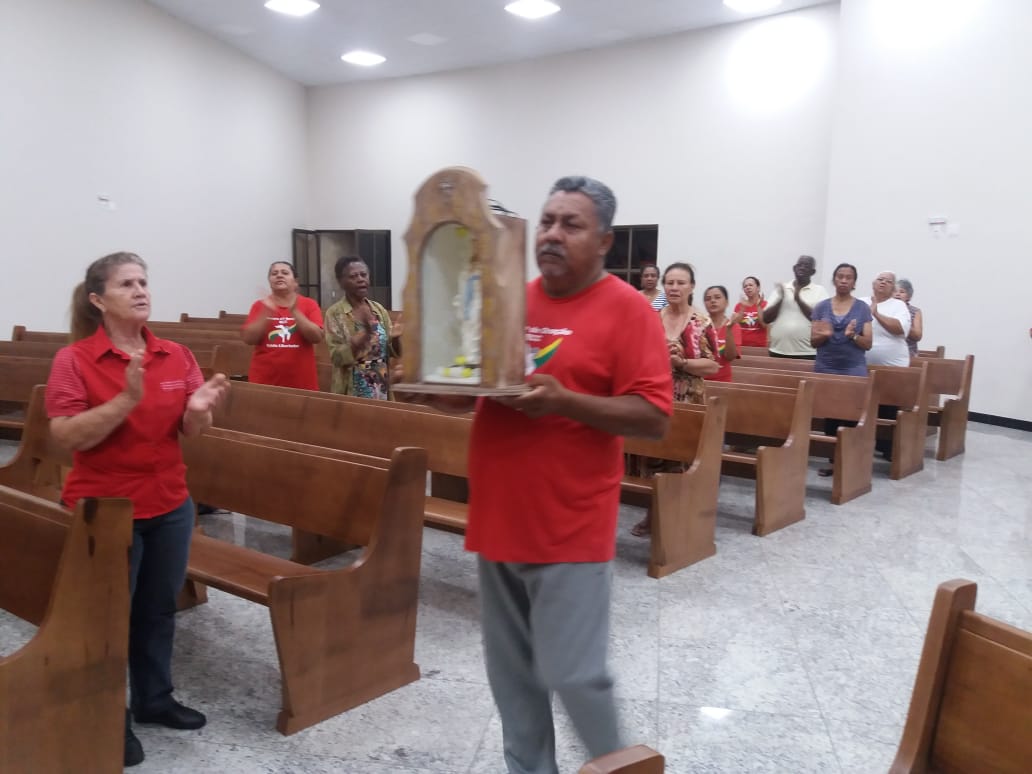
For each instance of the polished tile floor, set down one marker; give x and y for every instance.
(791, 653)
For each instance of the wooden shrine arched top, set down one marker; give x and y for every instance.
(464, 300)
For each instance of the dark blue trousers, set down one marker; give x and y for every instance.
(161, 546)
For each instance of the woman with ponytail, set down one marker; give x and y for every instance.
(118, 397)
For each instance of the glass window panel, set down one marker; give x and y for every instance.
(617, 257)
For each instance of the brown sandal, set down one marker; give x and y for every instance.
(643, 528)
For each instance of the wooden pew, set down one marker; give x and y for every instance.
(325, 622)
(62, 695)
(778, 415)
(36, 467)
(236, 319)
(344, 636)
(906, 387)
(233, 360)
(777, 363)
(44, 349)
(233, 351)
(230, 321)
(939, 351)
(950, 377)
(21, 333)
(970, 711)
(852, 398)
(18, 375)
(683, 505)
(754, 352)
(179, 332)
(631, 760)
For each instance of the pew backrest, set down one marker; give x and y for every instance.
(364, 426)
(332, 487)
(18, 375)
(950, 377)
(904, 386)
(777, 363)
(38, 349)
(766, 412)
(835, 397)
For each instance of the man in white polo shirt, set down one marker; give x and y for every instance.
(788, 312)
(890, 325)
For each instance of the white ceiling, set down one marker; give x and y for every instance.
(474, 32)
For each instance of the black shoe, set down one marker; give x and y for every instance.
(133, 748)
(175, 715)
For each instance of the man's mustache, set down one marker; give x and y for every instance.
(551, 248)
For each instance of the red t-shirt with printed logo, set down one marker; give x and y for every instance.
(140, 459)
(753, 332)
(548, 490)
(718, 343)
(284, 357)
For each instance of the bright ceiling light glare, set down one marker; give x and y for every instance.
(775, 63)
(292, 7)
(916, 25)
(534, 9)
(752, 6)
(363, 58)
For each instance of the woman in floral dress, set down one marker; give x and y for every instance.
(359, 335)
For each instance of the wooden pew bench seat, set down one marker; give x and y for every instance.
(242, 572)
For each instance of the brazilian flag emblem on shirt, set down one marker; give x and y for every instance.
(544, 354)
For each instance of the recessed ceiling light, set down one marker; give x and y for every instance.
(292, 7)
(751, 6)
(426, 39)
(532, 9)
(363, 58)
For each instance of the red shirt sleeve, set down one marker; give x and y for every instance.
(193, 376)
(66, 390)
(311, 310)
(253, 313)
(642, 362)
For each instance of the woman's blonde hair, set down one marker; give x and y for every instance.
(85, 316)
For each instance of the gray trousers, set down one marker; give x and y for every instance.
(546, 629)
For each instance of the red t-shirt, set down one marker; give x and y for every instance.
(753, 332)
(284, 357)
(548, 490)
(718, 340)
(141, 458)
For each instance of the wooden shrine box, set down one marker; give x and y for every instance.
(465, 297)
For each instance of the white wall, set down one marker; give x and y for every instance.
(202, 149)
(934, 118)
(691, 131)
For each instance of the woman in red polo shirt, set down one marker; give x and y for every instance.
(119, 397)
(284, 326)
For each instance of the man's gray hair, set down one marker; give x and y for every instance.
(600, 194)
(906, 286)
